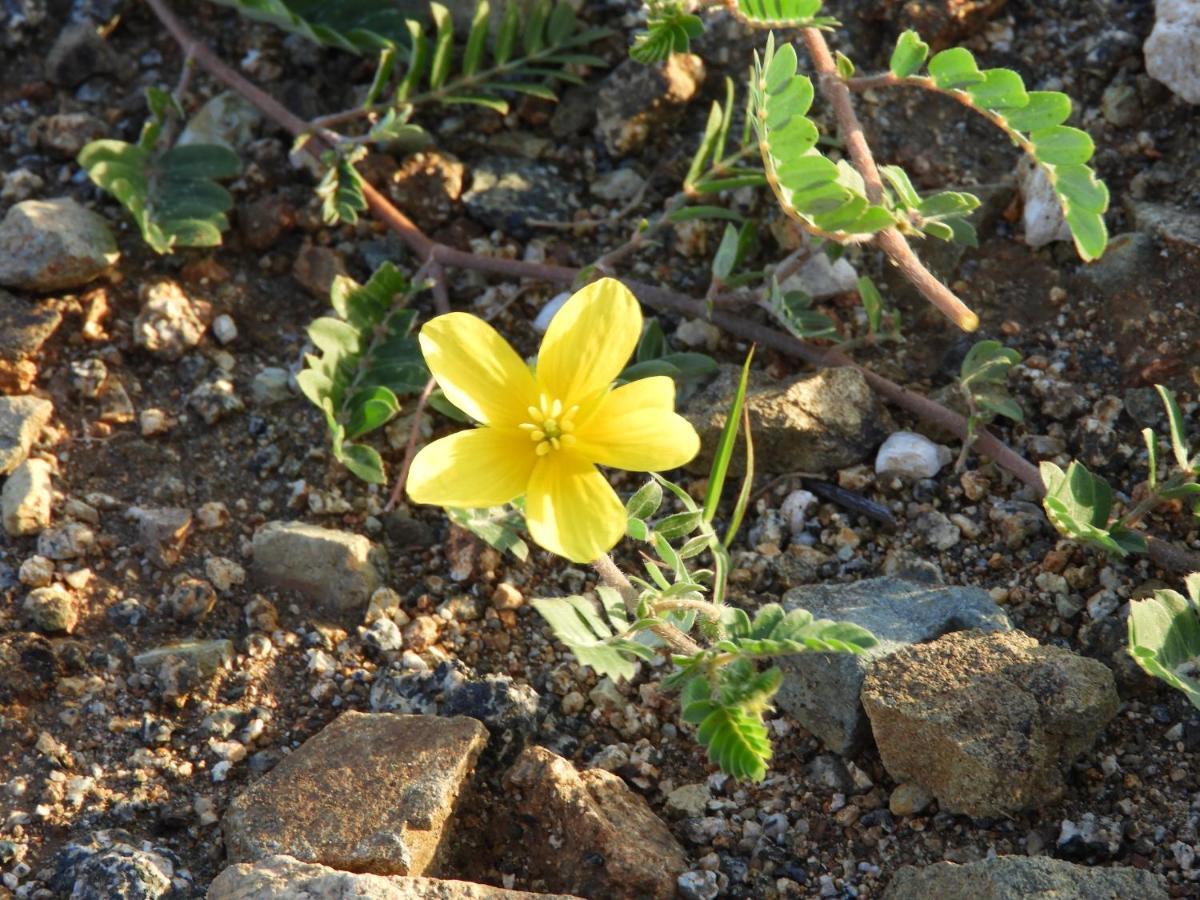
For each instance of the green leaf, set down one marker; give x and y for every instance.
(1151, 456)
(872, 302)
(1164, 640)
(341, 190)
(476, 38)
(645, 501)
(679, 525)
(1045, 109)
(955, 69)
(370, 409)
(497, 525)
(1001, 89)
(902, 185)
(358, 26)
(726, 255)
(725, 444)
(669, 29)
(743, 498)
(587, 631)
(1062, 145)
(363, 461)
(781, 13)
(910, 54)
(845, 66)
(653, 343)
(1179, 443)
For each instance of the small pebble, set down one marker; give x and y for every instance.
(224, 329)
(910, 456)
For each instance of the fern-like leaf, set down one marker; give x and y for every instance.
(367, 360)
(341, 188)
(356, 26)
(780, 13)
(827, 198)
(172, 193)
(593, 634)
(670, 28)
(729, 727)
(1032, 119)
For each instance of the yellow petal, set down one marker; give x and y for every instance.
(572, 510)
(635, 428)
(477, 369)
(589, 341)
(477, 467)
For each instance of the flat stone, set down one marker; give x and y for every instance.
(24, 328)
(506, 192)
(821, 690)
(987, 722)
(1173, 48)
(636, 100)
(387, 787)
(21, 421)
(587, 833)
(181, 667)
(815, 423)
(1168, 223)
(336, 568)
(284, 878)
(48, 245)
(25, 498)
(1022, 877)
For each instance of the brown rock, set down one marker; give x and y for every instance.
(814, 423)
(427, 187)
(316, 267)
(986, 721)
(264, 221)
(372, 792)
(24, 328)
(284, 878)
(636, 101)
(28, 668)
(336, 568)
(163, 532)
(587, 833)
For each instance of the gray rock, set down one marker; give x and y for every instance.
(636, 100)
(506, 192)
(191, 599)
(226, 120)
(216, 399)
(285, 878)
(1168, 223)
(1120, 104)
(65, 134)
(508, 710)
(78, 54)
(699, 884)
(574, 112)
(180, 667)
(1022, 877)
(1173, 48)
(25, 498)
(388, 787)
(48, 245)
(336, 568)
(51, 610)
(162, 532)
(169, 324)
(71, 540)
(820, 277)
(987, 722)
(271, 386)
(814, 423)
(821, 690)
(619, 184)
(18, 19)
(112, 864)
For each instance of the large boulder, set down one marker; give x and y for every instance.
(821, 690)
(987, 722)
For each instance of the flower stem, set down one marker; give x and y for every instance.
(615, 578)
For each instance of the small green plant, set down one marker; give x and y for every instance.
(1079, 502)
(1164, 637)
(171, 192)
(983, 380)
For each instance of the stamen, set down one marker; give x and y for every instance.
(556, 408)
(554, 443)
(537, 435)
(542, 449)
(527, 426)
(536, 414)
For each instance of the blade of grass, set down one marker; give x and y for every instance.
(743, 499)
(720, 466)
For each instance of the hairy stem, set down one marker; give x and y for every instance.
(890, 241)
(615, 578)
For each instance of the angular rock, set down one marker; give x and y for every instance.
(1043, 215)
(162, 532)
(636, 100)
(387, 786)
(66, 133)
(1022, 877)
(821, 690)
(25, 498)
(336, 568)
(79, 53)
(24, 327)
(587, 833)
(112, 864)
(51, 610)
(181, 667)
(227, 119)
(1173, 48)
(508, 710)
(910, 455)
(21, 421)
(1168, 223)
(814, 423)
(506, 192)
(427, 186)
(987, 721)
(48, 245)
(284, 878)
(70, 540)
(169, 323)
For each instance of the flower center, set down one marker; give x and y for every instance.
(550, 426)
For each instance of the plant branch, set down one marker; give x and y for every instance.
(615, 578)
(890, 240)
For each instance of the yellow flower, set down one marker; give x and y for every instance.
(543, 433)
